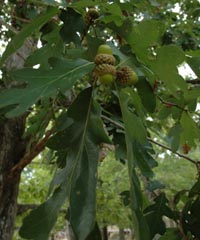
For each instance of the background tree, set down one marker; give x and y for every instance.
(52, 99)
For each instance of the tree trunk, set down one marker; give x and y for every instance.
(12, 148)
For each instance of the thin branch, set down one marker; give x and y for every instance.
(157, 143)
(36, 149)
(21, 19)
(171, 104)
(168, 148)
(117, 124)
(21, 208)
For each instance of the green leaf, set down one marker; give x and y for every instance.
(194, 61)
(146, 94)
(78, 179)
(38, 224)
(165, 66)
(195, 190)
(146, 34)
(154, 185)
(144, 160)
(73, 26)
(133, 123)
(125, 29)
(42, 84)
(53, 48)
(191, 218)
(95, 234)
(119, 142)
(154, 214)
(19, 39)
(135, 102)
(174, 135)
(140, 226)
(192, 94)
(136, 200)
(82, 138)
(113, 14)
(190, 130)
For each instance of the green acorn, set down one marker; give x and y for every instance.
(106, 79)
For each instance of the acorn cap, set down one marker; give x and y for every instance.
(104, 58)
(104, 68)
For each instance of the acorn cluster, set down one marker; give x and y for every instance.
(91, 15)
(106, 71)
(105, 65)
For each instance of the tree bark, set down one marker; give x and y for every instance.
(12, 148)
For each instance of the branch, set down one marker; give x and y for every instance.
(197, 163)
(168, 148)
(21, 208)
(119, 125)
(36, 149)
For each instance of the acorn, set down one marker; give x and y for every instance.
(104, 68)
(126, 76)
(106, 79)
(104, 58)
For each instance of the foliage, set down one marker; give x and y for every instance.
(64, 101)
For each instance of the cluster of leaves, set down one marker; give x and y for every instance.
(63, 96)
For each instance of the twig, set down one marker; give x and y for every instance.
(113, 122)
(36, 149)
(171, 104)
(21, 208)
(21, 19)
(197, 163)
(168, 148)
